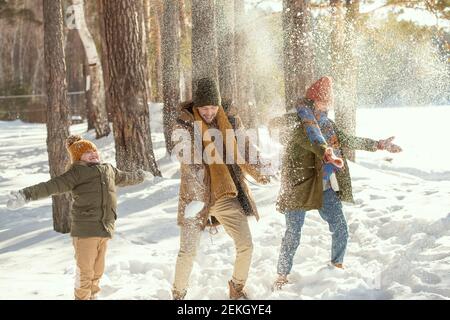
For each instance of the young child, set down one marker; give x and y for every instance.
(93, 187)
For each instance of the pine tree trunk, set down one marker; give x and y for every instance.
(204, 45)
(97, 106)
(225, 41)
(155, 39)
(90, 113)
(344, 69)
(171, 67)
(104, 59)
(185, 50)
(147, 28)
(351, 32)
(245, 98)
(96, 95)
(297, 50)
(128, 88)
(57, 107)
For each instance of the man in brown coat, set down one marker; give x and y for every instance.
(212, 190)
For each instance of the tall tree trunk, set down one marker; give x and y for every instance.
(155, 40)
(341, 38)
(297, 50)
(90, 113)
(185, 49)
(346, 117)
(204, 45)
(128, 89)
(245, 98)
(171, 67)
(104, 59)
(94, 73)
(57, 107)
(225, 41)
(148, 38)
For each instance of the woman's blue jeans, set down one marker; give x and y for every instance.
(331, 212)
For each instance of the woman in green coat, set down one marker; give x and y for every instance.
(315, 174)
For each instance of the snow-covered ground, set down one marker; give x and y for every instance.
(399, 246)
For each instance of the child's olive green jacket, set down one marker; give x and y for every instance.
(93, 187)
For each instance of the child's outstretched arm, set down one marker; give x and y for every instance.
(124, 178)
(60, 184)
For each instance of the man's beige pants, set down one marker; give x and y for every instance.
(229, 213)
(90, 257)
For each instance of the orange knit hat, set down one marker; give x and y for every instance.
(321, 90)
(76, 146)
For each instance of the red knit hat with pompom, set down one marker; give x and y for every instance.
(321, 90)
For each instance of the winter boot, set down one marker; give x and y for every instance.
(338, 265)
(237, 291)
(178, 295)
(280, 282)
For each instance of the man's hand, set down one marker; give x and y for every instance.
(387, 145)
(330, 157)
(16, 200)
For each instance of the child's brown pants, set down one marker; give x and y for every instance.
(90, 258)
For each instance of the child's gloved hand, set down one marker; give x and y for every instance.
(193, 208)
(16, 200)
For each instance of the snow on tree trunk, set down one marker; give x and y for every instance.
(57, 107)
(297, 50)
(155, 44)
(171, 67)
(185, 51)
(225, 41)
(344, 68)
(204, 45)
(94, 81)
(349, 117)
(245, 96)
(147, 29)
(128, 88)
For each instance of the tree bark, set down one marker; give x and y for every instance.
(344, 67)
(171, 67)
(352, 30)
(185, 49)
(297, 50)
(95, 86)
(245, 97)
(128, 89)
(148, 38)
(57, 107)
(104, 58)
(225, 42)
(204, 44)
(155, 39)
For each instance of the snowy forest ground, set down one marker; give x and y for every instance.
(399, 245)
